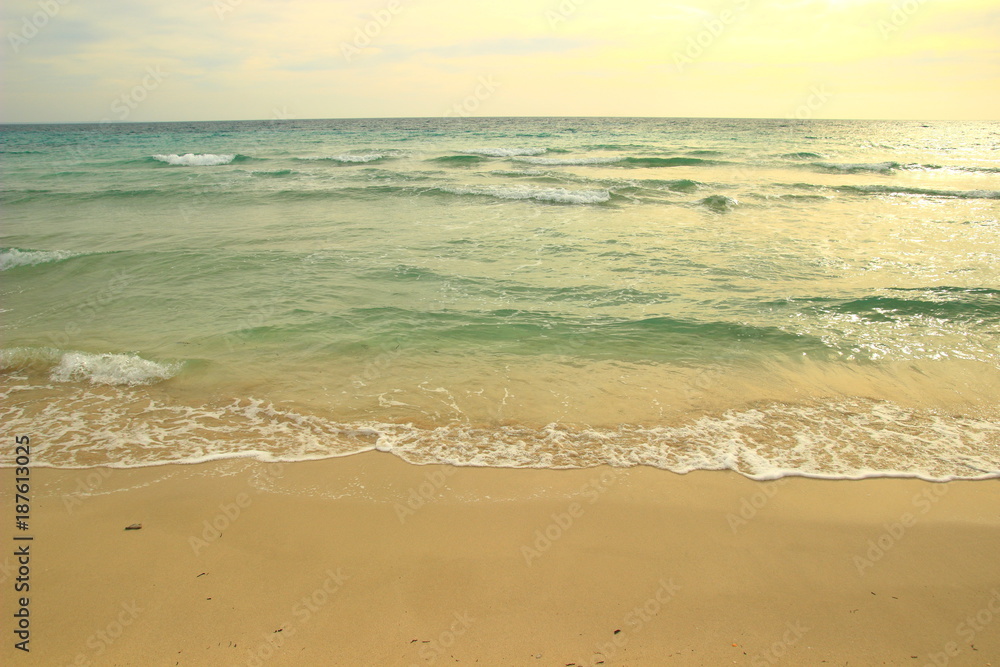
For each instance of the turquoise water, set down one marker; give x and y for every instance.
(774, 297)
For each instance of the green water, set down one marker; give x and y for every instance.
(778, 297)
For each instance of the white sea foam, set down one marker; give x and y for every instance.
(13, 257)
(930, 192)
(520, 172)
(850, 168)
(838, 441)
(506, 152)
(568, 161)
(111, 369)
(556, 195)
(193, 160)
(29, 357)
(365, 157)
(851, 439)
(350, 157)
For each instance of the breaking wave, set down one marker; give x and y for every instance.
(14, 257)
(103, 369)
(856, 168)
(195, 160)
(928, 192)
(554, 195)
(507, 152)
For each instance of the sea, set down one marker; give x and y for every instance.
(773, 297)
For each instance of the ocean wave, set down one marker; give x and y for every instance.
(845, 439)
(719, 203)
(24, 196)
(520, 173)
(376, 192)
(615, 185)
(31, 196)
(948, 289)
(976, 306)
(14, 257)
(95, 368)
(352, 158)
(40, 359)
(614, 147)
(636, 162)
(506, 152)
(850, 439)
(802, 155)
(556, 178)
(985, 170)
(918, 306)
(928, 192)
(789, 197)
(591, 336)
(112, 369)
(459, 160)
(561, 161)
(195, 160)
(856, 168)
(678, 185)
(555, 195)
(666, 162)
(935, 167)
(277, 173)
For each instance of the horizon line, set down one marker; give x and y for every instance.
(473, 118)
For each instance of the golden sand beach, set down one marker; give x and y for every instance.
(367, 560)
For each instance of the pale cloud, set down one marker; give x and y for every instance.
(232, 59)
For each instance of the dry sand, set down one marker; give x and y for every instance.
(368, 560)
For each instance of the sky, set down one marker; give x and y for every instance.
(140, 60)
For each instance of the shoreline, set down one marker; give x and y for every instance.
(777, 476)
(367, 559)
